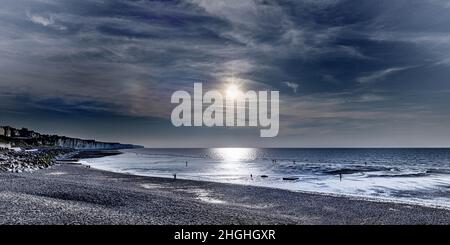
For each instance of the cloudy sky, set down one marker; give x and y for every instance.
(350, 73)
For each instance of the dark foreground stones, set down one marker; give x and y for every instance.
(29, 160)
(75, 194)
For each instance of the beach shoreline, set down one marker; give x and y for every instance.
(330, 194)
(258, 181)
(76, 194)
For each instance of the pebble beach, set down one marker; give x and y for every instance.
(76, 194)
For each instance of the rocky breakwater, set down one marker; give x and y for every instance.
(29, 160)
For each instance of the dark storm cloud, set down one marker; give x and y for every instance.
(352, 67)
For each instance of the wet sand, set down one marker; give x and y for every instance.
(75, 194)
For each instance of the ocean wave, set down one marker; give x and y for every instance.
(438, 171)
(397, 175)
(357, 169)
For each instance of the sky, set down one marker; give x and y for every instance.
(350, 73)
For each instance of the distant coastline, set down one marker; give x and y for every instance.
(23, 150)
(25, 138)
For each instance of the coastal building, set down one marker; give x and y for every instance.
(18, 133)
(8, 131)
(28, 134)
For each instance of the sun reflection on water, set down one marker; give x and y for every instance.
(234, 161)
(234, 154)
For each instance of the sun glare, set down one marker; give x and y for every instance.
(233, 91)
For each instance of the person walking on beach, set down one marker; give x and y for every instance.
(174, 176)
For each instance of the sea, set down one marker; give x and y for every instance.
(415, 176)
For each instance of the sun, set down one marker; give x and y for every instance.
(233, 91)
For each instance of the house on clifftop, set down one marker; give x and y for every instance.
(8, 131)
(23, 133)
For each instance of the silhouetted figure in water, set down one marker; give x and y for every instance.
(251, 176)
(174, 176)
(293, 162)
(186, 163)
(340, 177)
(365, 163)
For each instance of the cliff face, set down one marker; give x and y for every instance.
(27, 138)
(73, 143)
